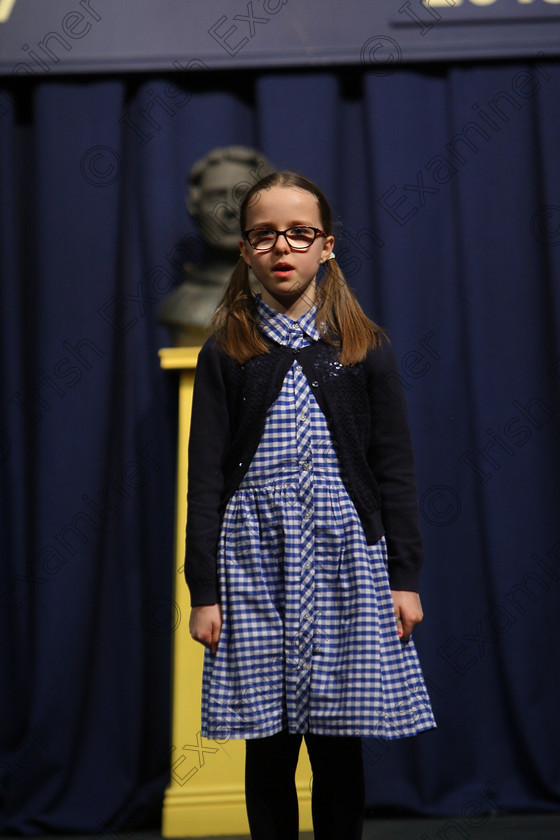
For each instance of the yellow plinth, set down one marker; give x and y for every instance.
(205, 796)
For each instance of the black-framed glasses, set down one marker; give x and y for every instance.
(298, 238)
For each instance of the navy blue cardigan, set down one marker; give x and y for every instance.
(366, 413)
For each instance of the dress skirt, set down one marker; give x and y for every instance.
(309, 641)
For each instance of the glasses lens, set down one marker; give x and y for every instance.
(262, 238)
(300, 237)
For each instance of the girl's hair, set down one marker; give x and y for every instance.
(340, 318)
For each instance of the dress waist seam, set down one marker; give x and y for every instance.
(289, 480)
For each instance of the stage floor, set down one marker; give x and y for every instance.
(510, 827)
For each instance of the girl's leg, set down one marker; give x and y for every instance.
(270, 787)
(338, 797)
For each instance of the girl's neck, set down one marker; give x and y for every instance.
(291, 308)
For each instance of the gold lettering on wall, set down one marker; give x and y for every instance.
(6, 7)
(453, 3)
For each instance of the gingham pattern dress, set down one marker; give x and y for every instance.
(309, 640)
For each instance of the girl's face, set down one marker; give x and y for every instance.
(286, 276)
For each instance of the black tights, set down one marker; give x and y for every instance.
(337, 800)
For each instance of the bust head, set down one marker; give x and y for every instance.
(217, 185)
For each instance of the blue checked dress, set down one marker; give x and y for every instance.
(309, 641)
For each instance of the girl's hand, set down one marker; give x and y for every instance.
(409, 609)
(205, 625)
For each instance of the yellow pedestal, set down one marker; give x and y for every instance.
(205, 796)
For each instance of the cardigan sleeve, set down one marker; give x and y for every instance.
(391, 459)
(208, 444)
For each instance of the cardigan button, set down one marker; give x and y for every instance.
(314, 384)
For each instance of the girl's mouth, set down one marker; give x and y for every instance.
(282, 269)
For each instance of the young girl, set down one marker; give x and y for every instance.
(303, 544)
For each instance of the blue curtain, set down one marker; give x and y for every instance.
(445, 182)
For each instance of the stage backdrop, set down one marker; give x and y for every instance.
(446, 185)
(97, 36)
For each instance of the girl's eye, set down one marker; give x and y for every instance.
(302, 233)
(263, 234)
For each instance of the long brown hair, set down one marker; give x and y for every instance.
(340, 318)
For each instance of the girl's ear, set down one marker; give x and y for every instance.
(244, 251)
(328, 245)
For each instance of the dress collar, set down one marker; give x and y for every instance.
(281, 329)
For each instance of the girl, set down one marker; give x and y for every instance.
(303, 544)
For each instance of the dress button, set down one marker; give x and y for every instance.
(306, 465)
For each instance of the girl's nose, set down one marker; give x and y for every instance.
(281, 246)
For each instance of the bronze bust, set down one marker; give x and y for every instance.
(217, 185)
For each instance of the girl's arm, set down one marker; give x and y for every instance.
(208, 443)
(392, 462)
